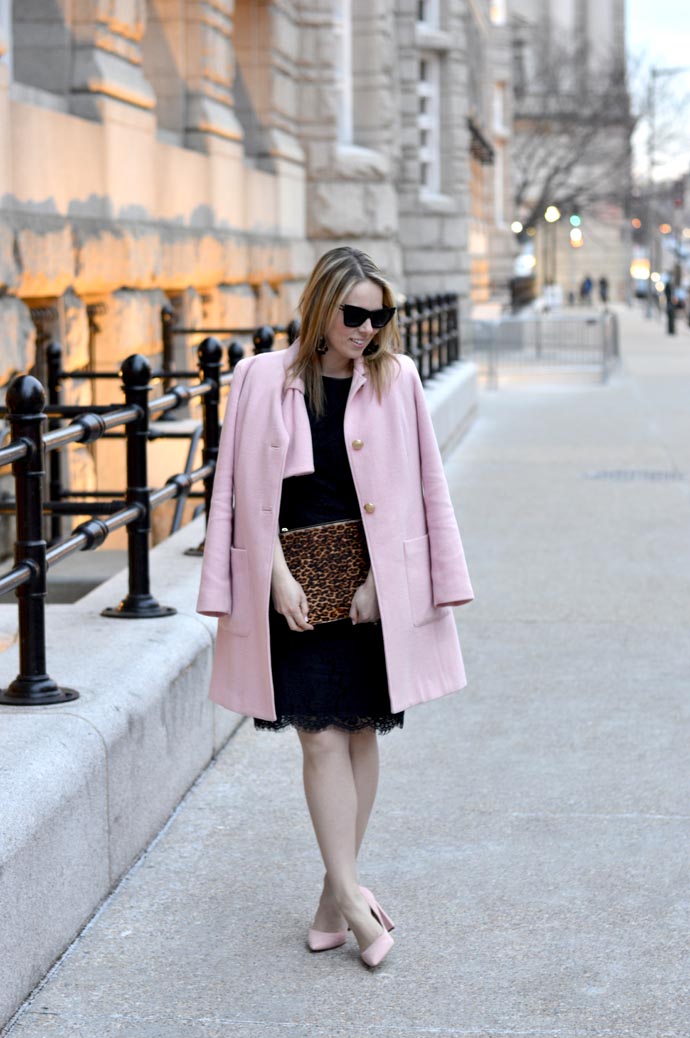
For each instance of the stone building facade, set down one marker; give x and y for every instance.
(204, 152)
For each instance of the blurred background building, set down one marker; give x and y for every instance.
(204, 154)
(571, 149)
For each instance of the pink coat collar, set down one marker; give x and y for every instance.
(359, 373)
(299, 460)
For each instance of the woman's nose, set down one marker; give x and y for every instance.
(367, 326)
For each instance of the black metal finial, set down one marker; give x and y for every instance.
(209, 351)
(25, 395)
(235, 352)
(136, 370)
(263, 339)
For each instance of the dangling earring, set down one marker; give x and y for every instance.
(322, 347)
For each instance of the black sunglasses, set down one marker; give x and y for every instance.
(354, 316)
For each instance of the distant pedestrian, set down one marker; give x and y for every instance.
(671, 301)
(328, 439)
(604, 289)
(586, 290)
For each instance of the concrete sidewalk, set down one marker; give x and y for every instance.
(531, 835)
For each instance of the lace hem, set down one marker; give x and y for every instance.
(346, 724)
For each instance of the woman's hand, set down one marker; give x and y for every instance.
(365, 604)
(287, 594)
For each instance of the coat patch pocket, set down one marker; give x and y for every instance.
(419, 589)
(237, 622)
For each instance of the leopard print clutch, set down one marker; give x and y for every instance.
(330, 561)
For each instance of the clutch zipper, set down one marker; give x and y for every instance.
(313, 526)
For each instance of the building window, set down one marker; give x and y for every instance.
(427, 12)
(344, 83)
(429, 122)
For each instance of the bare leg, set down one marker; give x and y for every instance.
(364, 756)
(331, 792)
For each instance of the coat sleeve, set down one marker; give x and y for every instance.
(449, 577)
(215, 588)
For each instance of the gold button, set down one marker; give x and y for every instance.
(357, 445)
(369, 507)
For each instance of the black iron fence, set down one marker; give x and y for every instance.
(429, 329)
(514, 346)
(37, 434)
(27, 451)
(62, 501)
(430, 332)
(263, 340)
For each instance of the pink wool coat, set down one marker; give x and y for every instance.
(412, 535)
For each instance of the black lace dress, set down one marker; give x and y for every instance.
(334, 675)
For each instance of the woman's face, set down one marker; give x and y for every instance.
(346, 344)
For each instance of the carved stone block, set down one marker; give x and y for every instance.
(17, 338)
(75, 340)
(9, 274)
(46, 260)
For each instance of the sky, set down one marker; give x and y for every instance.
(658, 31)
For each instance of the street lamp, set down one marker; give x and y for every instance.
(656, 73)
(552, 216)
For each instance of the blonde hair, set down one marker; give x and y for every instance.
(331, 280)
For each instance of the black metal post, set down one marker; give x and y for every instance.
(263, 339)
(32, 686)
(210, 357)
(139, 602)
(168, 339)
(235, 352)
(409, 347)
(454, 326)
(293, 330)
(443, 302)
(53, 355)
(434, 333)
(421, 340)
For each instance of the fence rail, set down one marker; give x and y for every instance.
(26, 400)
(430, 332)
(565, 342)
(429, 329)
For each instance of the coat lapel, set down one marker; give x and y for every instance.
(299, 460)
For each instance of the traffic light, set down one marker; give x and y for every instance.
(577, 239)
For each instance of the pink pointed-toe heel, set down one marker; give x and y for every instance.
(386, 920)
(378, 949)
(322, 940)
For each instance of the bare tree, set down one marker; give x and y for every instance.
(573, 124)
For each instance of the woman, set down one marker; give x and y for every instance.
(334, 428)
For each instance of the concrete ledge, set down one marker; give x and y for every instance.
(87, 785)
(452, 399)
